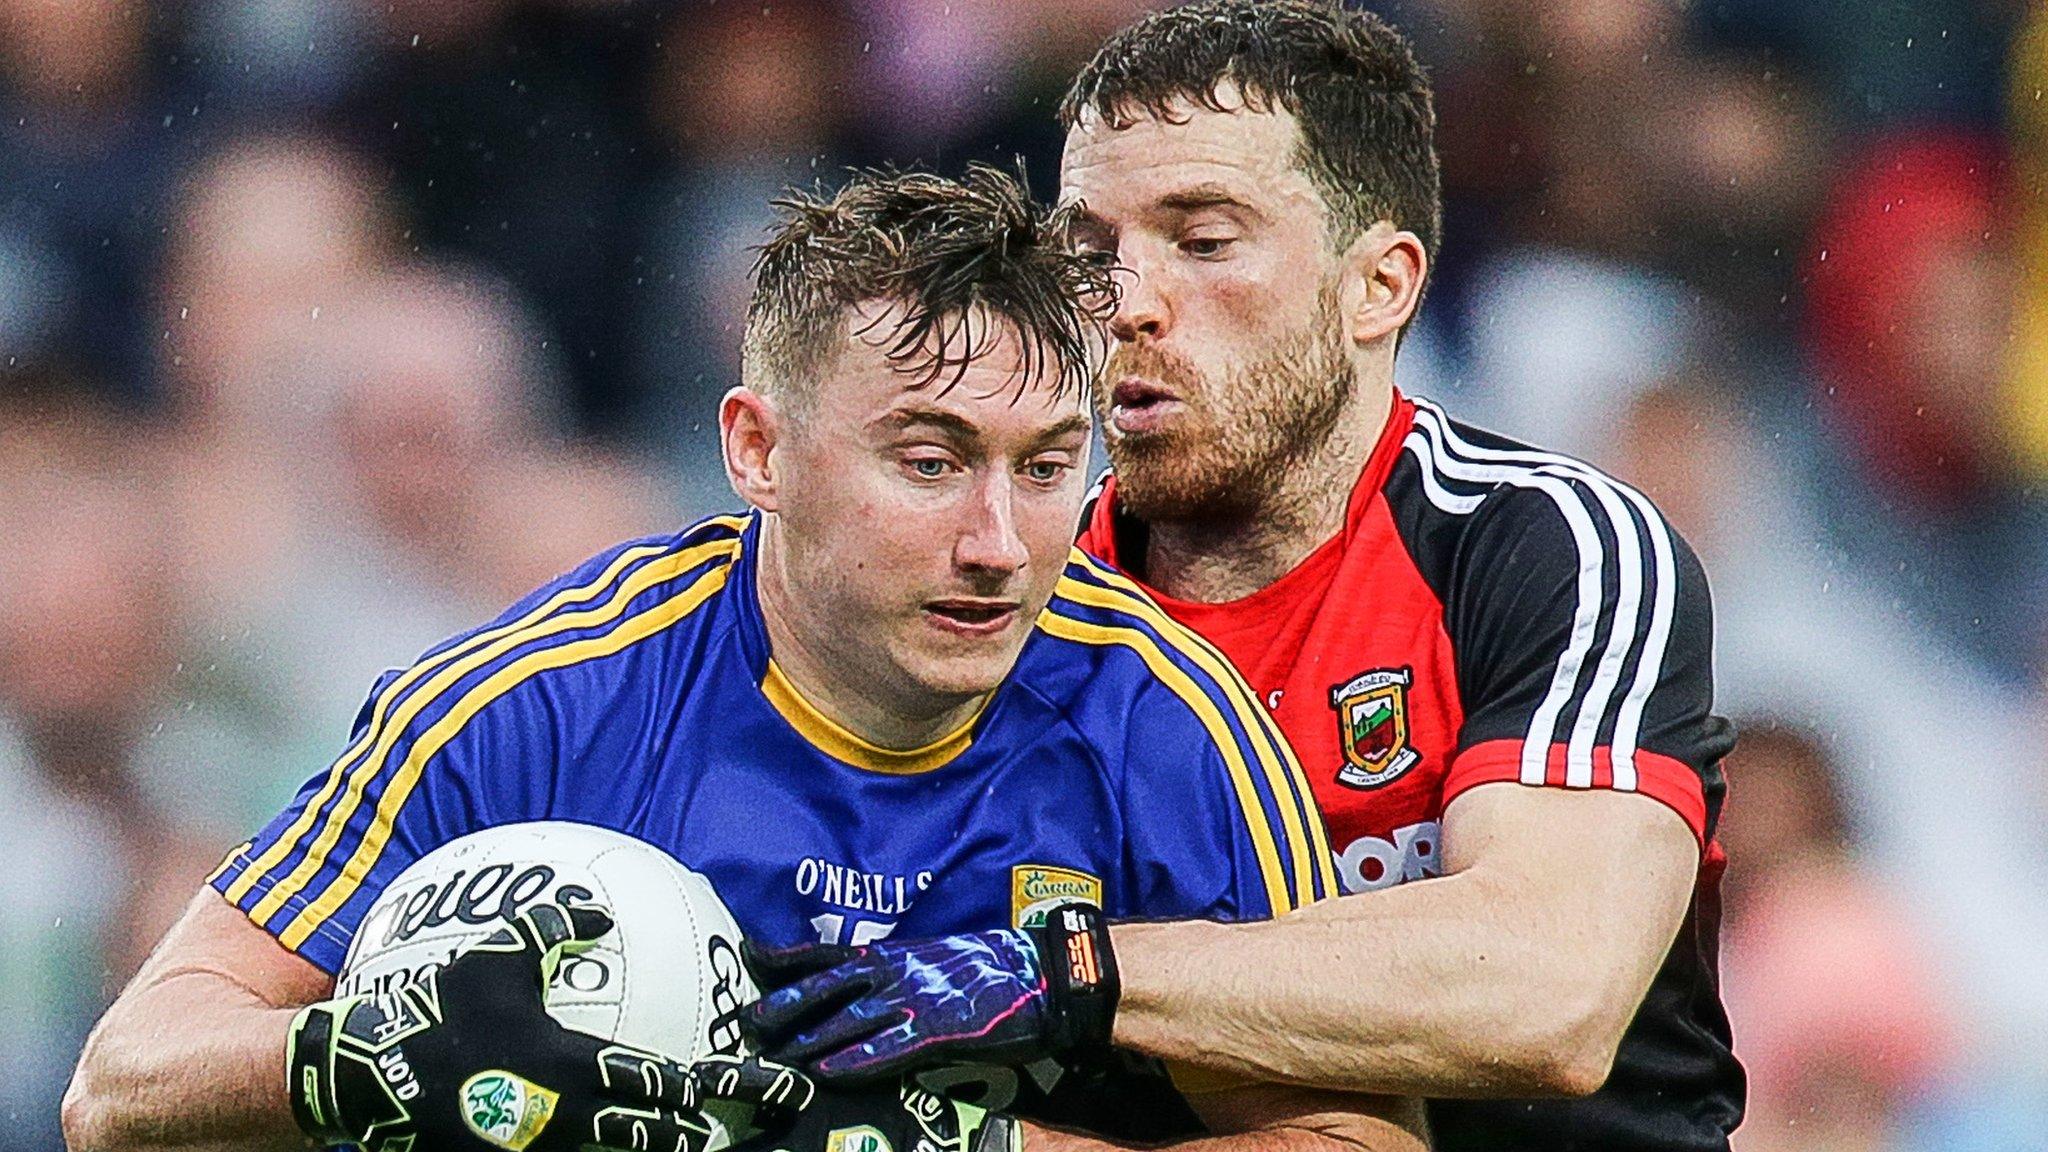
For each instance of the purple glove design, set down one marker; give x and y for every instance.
(1007, 996)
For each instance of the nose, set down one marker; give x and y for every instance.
(988, 543)
(1141, 308)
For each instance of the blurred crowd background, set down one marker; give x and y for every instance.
(327, 327)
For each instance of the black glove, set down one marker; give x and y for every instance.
(904, 1118)
(468, 1058)
(1007, 996)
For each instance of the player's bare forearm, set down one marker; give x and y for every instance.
(1038, 1139)
(1515, 975)
(153, 1078)
(1276, 1118)
(191, 1055)
(1405, 990)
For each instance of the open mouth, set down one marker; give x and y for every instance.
(971, 617)
(1138, 406)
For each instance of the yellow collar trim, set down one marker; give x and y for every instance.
(827, 736)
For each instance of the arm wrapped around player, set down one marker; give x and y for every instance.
(469, 1058)
(1008, 996)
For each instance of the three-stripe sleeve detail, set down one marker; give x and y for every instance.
(591, 603)
(1633, 610)
(406, 774)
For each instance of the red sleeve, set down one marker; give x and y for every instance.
(1661, 778)
(1098, 521)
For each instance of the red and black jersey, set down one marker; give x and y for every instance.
(1493, 612)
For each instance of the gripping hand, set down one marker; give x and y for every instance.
(1008, 996)
(898, 1118)
(468, 1058)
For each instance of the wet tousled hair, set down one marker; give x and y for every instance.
(952, 254)
(1368, 120)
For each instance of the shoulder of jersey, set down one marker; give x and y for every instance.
(1103, 635)
(1457, 466)
(568, 629)
(1162, 677)
(649, 569)
(649, 589)
(1453, 475)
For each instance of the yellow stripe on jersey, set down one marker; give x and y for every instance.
(1312, 851)
(451, 673)
(227, 862)
(1183, 685)
(833, 739)
(1144, 606)
(634, 630)
(282, 847)
(1302, 851)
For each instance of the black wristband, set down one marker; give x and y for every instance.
(1080, 970)
(309, 1070)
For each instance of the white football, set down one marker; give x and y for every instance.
(667, 977)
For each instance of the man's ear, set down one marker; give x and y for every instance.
(750, 429)
(1383, 274)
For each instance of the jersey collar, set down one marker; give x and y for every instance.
(817, 729)
(827, 736)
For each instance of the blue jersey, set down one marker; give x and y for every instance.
(1123, 760)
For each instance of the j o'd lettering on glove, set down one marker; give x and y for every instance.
(398, 1074)
(508, 1111)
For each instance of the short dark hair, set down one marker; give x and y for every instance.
(1368, 120)
(943, 249)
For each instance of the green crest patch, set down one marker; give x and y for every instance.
(507, 1110)
(1372, 727)
(860, 1138)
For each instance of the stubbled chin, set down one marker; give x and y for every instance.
(960, 665)
(1160, 485)
(964, 676)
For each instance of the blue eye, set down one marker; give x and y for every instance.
(929, 469)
